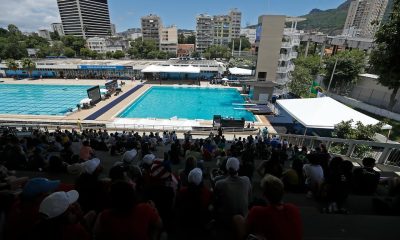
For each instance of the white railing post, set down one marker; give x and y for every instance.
(350, 150)
(384, 156)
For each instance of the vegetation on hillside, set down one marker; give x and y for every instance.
(331, 21)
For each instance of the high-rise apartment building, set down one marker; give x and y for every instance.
(151, 28)
(221, 29)
(169, 39)
(364, 17)
(236, 20)
(57, 27)
(44, 33)
(218, 29)
(113, 29)
(86, 18)
(204, 32)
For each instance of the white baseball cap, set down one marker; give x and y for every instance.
(57, 203)
(233, 163)
(149, 159)
(90, 165)
(195, 176)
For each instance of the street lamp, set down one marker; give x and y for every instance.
(333, 72)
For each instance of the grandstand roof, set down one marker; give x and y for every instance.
(324, 113)
(171, 69)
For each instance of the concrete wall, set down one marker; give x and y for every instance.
(262, 90)
(369, 91)
(270, 45)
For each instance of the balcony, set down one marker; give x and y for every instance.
(282, 81)
(288, 57)
(285, 69)
(291, 32)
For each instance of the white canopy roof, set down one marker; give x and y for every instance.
(323, 112)
(171, 69)
(240, 71)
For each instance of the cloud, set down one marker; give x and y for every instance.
(29, 15)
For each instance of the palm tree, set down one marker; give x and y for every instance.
(12, 65)
(29, 65)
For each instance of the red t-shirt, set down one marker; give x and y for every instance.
(281, 222)
(135, 225)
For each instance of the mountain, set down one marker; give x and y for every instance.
(331, 21)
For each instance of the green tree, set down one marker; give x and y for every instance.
(385, 59)
(29, 65)
(109, 55)
(12, 64)
(181, 38)
(245, 43)
(85, 52)
(55, 36)
(171, 55)
(152, 54)
(311, 62)
(191, 39)
(118, 54)
(76, 43)
(69, 52)
(93, 54)
(218, 51)
(349, 65)
(44, 51)
(195, 54)
(301, 81)
(100, 56)
(140, 49)
(57, 48)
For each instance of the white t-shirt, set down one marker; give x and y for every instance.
(314, 174)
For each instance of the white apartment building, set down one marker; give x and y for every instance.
(169, 39)
(235, 25)
(204, 32)
(103, 45)
(217, 29)
(361, 18)
(97, 44)
(151, 28)
(44, 33)
(57, 27)
(250, 33)
(134, 36)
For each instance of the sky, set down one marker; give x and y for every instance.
(31, 15)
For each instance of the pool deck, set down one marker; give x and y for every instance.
(109, 117)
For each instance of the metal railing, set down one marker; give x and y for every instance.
(385, 153)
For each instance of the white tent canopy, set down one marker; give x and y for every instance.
(240, 71)
(171, 69)
(324, 113)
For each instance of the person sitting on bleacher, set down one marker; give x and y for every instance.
(127, 218)
(277, 221)
(366, 179)
(24, 213)
(232, 194)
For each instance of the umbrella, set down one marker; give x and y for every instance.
(85, 100)
(103, 91)
(225, 79)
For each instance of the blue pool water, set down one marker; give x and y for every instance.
(186, 102)
(40, 99)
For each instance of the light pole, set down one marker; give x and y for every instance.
(333, 72)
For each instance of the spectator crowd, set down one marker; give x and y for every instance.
(198, 189)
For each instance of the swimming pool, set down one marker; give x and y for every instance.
(40, 99)
(187, 102)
